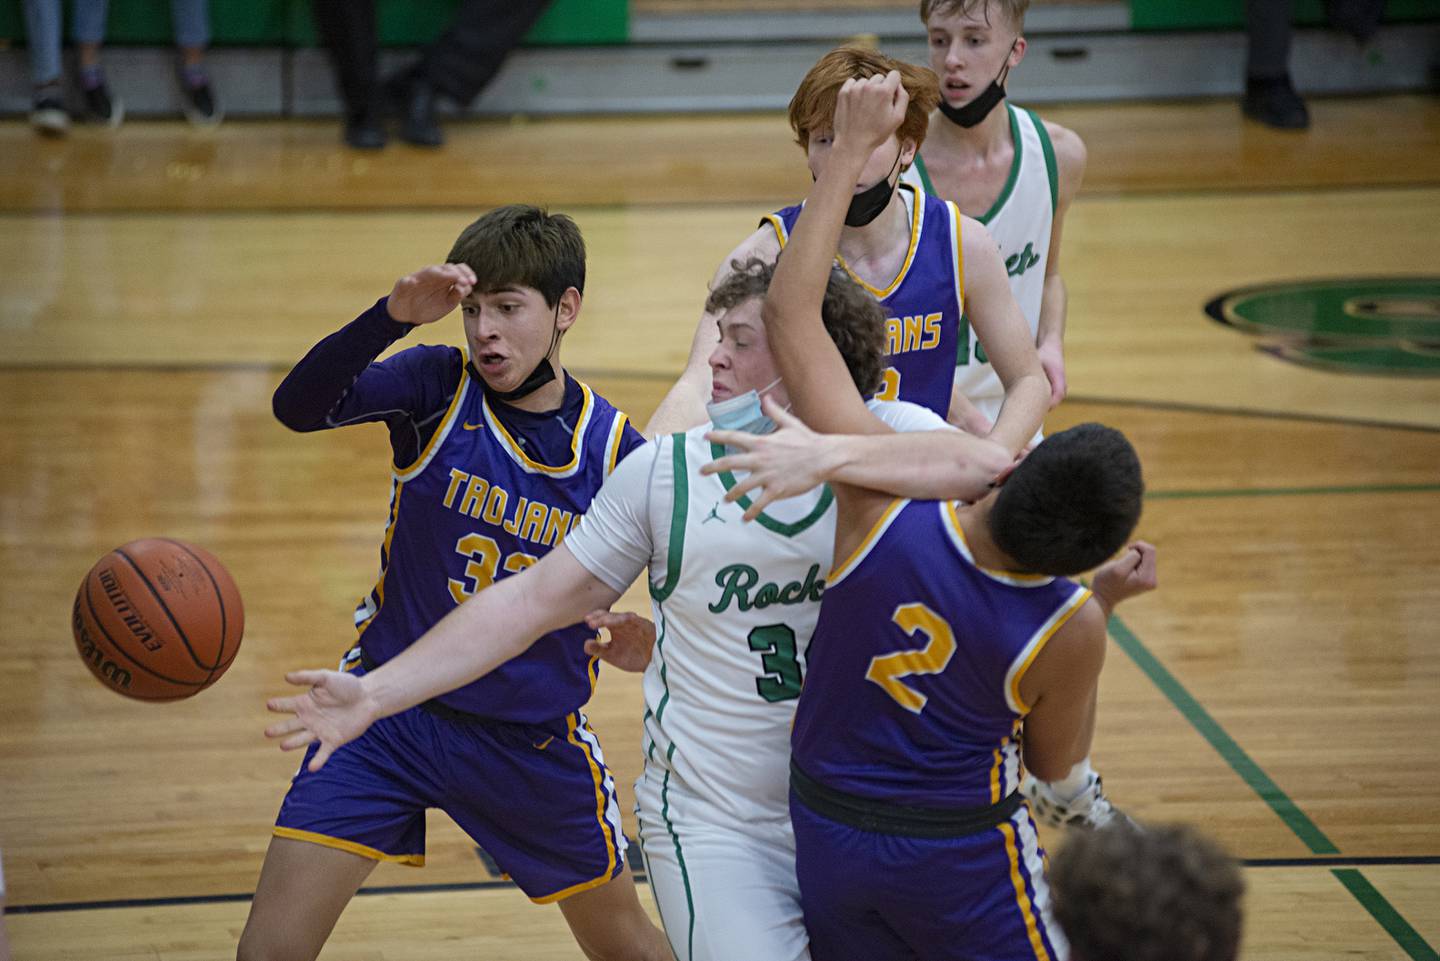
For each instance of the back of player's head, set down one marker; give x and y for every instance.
(1071, 503)
(1012, 11)
(853, 319)
(813, 106)
(1165, 893)
(523, 246)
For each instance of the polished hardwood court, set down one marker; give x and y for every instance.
(1281, 689)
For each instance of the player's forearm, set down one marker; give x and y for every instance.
(1027, 398)
(683, 407)
(468, 643)
(924, 465)
(327, 372)
(817, 380)
(1053, 304)
(797, 291)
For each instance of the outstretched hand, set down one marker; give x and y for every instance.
(782, 464)
(430, 293)
(630, 643)
(1131, 574)
(869, 110)
(335, 711)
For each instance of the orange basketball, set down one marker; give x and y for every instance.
(158, 619)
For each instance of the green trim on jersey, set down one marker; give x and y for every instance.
(1051, 168)
(679, 857)
(664, 681)
(924, 175)
(1014, 168)
(678, 512)
(827, 497)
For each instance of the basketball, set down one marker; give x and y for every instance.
(158, 619)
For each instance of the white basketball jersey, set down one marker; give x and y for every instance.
(1020, 221)
(734, 612)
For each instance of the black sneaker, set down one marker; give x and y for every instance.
(198, 101)
(364, 133)
(100, 107)
(48, 116)
(412, 98)
(1275, 104)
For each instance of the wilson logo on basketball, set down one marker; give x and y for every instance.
(104, 668)
(122, 606)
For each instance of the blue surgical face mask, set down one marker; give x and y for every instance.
(742, 412)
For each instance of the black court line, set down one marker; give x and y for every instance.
(639, 877)
(666, 376)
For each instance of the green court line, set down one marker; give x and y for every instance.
(1293, 491)
(1242, 764)
(1222, 742)
(1373, 901)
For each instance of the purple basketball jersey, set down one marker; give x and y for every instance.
(913, 692)
(475, 498)
(923, 304)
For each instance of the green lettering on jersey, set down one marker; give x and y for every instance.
(1017, 264)
(737, 581)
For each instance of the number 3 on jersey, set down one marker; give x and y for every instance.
(887, 670)
(484, 557)
(889, 385)
(776, 642)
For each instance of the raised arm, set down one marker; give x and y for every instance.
(1001, 328)
(684, 406)
(495, 625)
(867, 112)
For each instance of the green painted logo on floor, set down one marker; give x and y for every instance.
(1368, 325)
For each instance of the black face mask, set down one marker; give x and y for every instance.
(978, 109)
(868, 203)
(543, 373)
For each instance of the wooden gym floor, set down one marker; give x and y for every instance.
(1282, 688)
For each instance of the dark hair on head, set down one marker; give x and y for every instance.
(854, 320)
(1071, 503)
(523, 246)
(1164, 893)
(1014, 10)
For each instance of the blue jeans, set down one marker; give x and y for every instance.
(43, 28)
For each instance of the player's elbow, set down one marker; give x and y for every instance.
(287, 404)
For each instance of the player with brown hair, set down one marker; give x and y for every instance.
(1164, 893)
(918, 256)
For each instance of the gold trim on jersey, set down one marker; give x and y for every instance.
(617, 434)
(876, 532)
(1022, 899)
(955, 217)
(605, 827)
(447, 422)
(917, 216)
(517, 454)
(957, 537)
(1036, 644)
(340, 844)
(379, 589)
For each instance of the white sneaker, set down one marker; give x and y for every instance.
(1089, 809)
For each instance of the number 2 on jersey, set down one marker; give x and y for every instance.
(776, 642)
(887, 669)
